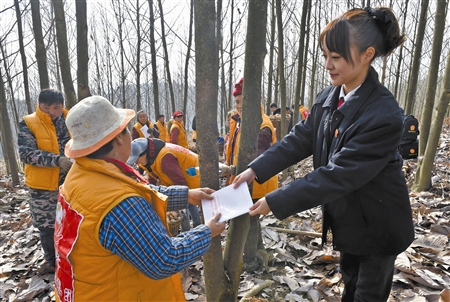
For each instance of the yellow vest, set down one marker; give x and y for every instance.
(163, 133)
(138, 127)
(92, 188)
(41, 124)
(259, 190)
(182, 138)
(186, 159)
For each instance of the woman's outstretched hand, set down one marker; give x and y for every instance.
(247, 176)
(260, 207)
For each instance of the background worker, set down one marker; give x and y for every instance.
(161, 126)
(304, 112)
(41, 138)
(177, 132)
(111, 231)
(172, 165)
(143, 121)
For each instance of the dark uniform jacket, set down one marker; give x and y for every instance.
(357, 175)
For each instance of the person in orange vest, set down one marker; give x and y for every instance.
(304, 112)
(41, 138)
(266, 138)
(171, 164)
(111, 234)
(161, 126)
(177, 132)
(143, 122)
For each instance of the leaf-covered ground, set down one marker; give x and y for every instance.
(296, 268)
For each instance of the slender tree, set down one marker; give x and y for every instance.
(255, 52)
(301, 47)
(414, 76)
(423, 176)
(188, 56)
(7, 135)
(166, 56)
(153, 60)
(82, 50)
(433, 72)
(23, 57)
(283, 128)
(271, 51)
(41, 52)
(63, 51)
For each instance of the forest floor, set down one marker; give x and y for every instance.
(297, 270)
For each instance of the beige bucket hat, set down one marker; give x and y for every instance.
(92, 123)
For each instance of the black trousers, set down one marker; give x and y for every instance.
(366, 278)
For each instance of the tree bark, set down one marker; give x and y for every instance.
(82, 50)
(433, 72)
(61, 35)
(41, 52)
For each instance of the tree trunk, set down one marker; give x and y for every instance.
(400, 55)
(255, 51)
(301, 47)
(61, 35)
(120, 21)
(433, 72)
(23, 57)
(423, 175)
(230, 74)
(166, 58)
(153, 57)
(305, 59)
(188, 57)
(217, 285)
(82, 50)
(41, 52)
(138, 60)
(412, 85)
(10, 84)
(283, 128)
(7, 135)
(271, 51)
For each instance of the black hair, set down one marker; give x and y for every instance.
(105, 149)
(160, 116)
(50, 96)
(273, 105)
(363, 28)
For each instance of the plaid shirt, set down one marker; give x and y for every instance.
(134, 231)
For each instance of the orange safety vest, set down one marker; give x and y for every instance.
(138, 126)
(163, 133)
(85, 270)
(182, 137)
(41, 124)
(259, 190)
(186, 159)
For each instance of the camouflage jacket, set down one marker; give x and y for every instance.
(31, 155)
